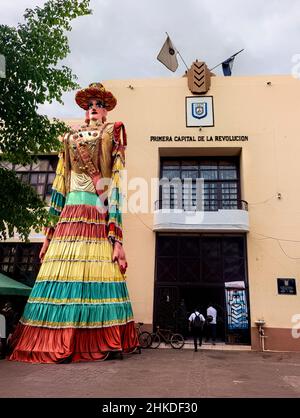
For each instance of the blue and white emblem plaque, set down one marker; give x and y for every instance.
(199, 111)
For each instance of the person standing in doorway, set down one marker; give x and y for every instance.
(211, 323)
(197, 321)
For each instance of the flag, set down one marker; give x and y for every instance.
(167, 55)
(227, 66)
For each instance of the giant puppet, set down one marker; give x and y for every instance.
(79, 308)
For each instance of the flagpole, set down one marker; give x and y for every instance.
(178, 53)
(232, 56)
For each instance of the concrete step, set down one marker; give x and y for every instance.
(189, 345)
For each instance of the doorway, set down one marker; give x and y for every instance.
(201, 297)
(192, 271)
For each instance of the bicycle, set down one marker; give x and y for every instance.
(144, 337)
(169, 337)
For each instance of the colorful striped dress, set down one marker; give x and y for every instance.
(79, 308)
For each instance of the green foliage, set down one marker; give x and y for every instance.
(20, 206)
(33, 51)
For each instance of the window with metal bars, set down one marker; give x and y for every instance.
(202, 259)
(220, 190)
(20, 261)
(40, 174)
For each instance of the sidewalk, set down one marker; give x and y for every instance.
(159, 373)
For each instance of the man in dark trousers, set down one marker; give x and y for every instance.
(211, 323)
(197, 321)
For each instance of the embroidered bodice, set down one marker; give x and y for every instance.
(97, 143)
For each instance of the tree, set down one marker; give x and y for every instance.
(20, 206)
(32, 51)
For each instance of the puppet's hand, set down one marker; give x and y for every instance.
(44, 249)
(119, 256)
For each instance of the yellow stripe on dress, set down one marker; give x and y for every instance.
(81, 219)
(79, 301)
(79, 250)
(79, 239)
(77, 324)
(79, 279)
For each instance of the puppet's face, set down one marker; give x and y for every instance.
(97, 110)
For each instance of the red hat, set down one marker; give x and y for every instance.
(95, 91)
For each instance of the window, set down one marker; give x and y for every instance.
(39, 174)
(221, 183)
(202, 259)
(20, 261)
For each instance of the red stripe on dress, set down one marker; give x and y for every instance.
(83, 211)
(81, 221)
(80, 229)
(44, 345)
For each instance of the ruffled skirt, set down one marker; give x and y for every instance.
(79, 308)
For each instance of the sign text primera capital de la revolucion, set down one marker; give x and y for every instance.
(205, 138)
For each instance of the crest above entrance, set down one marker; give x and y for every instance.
(198, 77)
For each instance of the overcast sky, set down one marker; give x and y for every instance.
(122, 38)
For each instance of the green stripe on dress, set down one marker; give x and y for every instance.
(84, 315)
(65, 292)
(83, 198)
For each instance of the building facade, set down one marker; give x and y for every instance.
(236, 149)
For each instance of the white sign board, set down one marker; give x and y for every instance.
(199, 111)
(2, 66)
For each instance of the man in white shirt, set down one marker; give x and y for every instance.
(211, 322)
(197, 321)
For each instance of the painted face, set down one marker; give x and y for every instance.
(97, 110)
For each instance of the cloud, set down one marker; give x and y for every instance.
(123, 37)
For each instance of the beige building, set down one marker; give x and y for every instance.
(241, 250)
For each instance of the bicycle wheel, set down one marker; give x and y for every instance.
(145, 339)
(155, 341)
(177, 341)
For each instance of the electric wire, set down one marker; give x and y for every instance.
(279, 243)
(263, 201)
